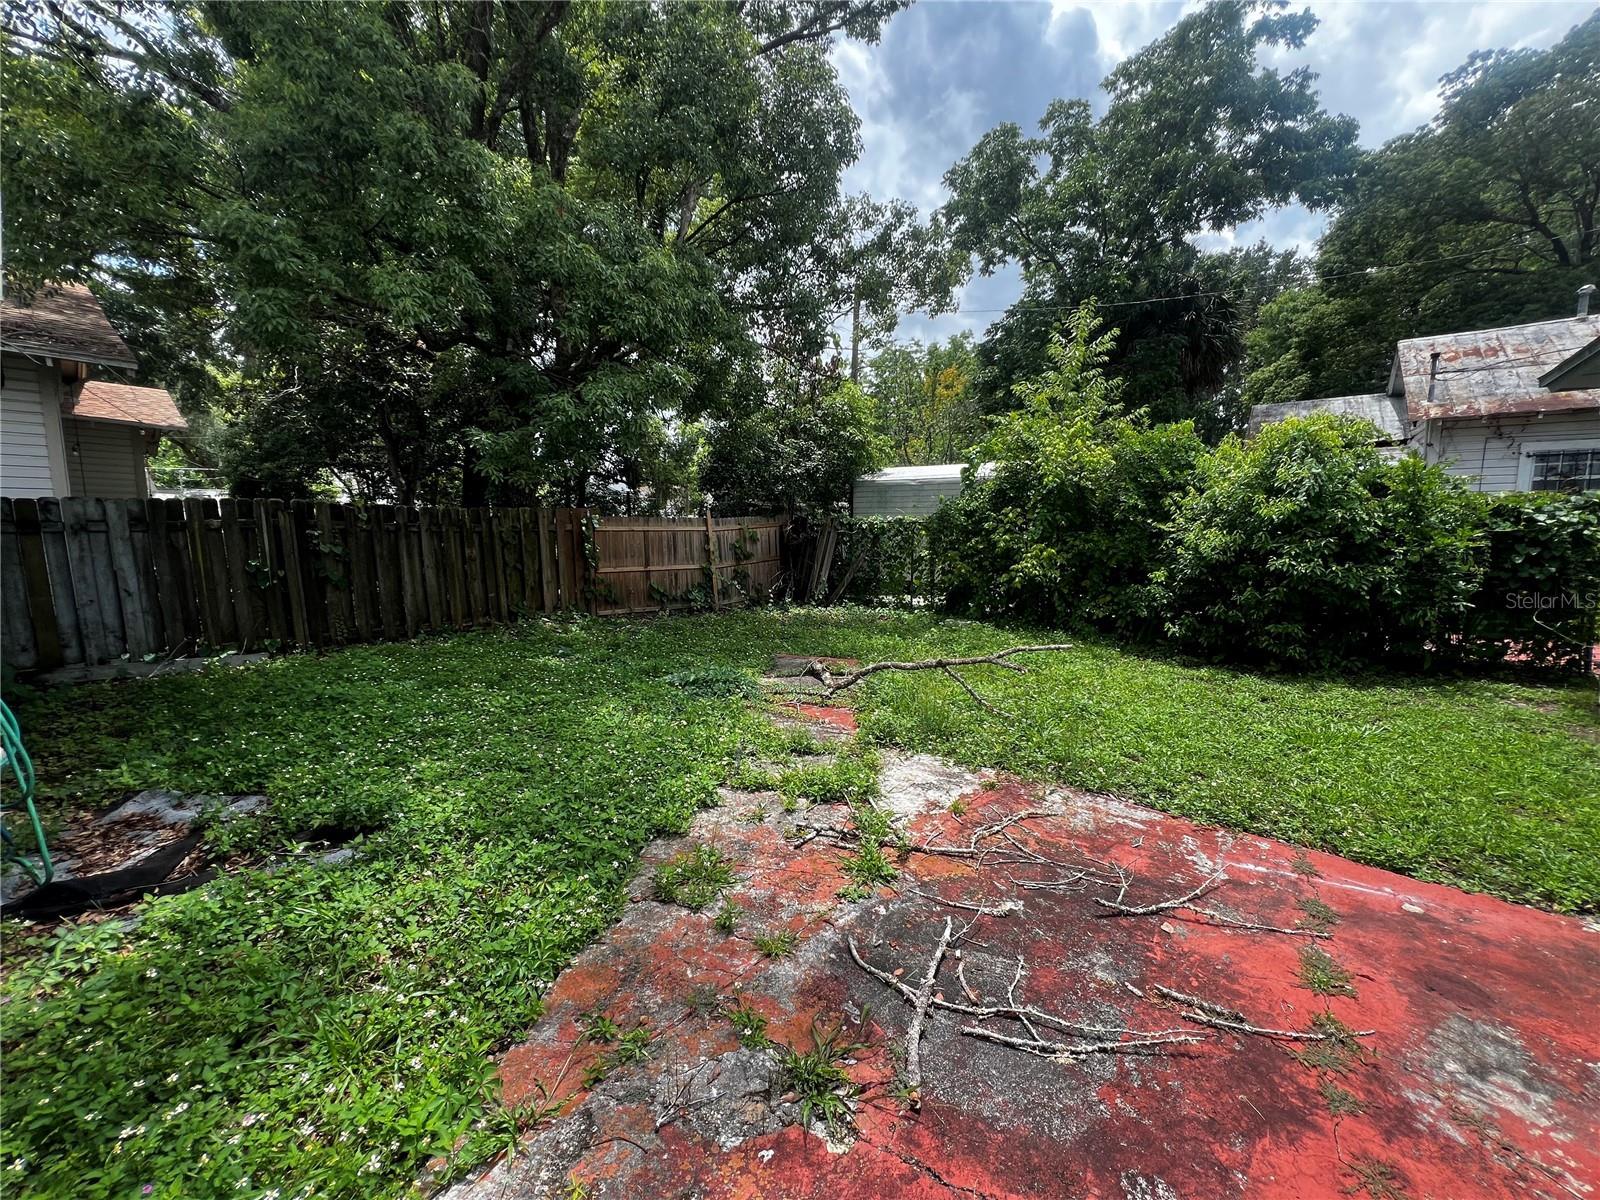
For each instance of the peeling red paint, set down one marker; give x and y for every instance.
(1481, 1079)
(828, 714)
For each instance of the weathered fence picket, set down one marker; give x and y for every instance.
(89, 581)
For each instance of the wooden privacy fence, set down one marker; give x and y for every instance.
(93, 581)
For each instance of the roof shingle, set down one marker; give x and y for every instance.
(124, 404)
(63, 320)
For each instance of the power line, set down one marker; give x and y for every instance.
(1523, 240)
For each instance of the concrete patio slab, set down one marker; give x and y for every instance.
(1480, 1076)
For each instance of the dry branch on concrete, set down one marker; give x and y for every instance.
(1221, 918)
(919, 1016)
(1015, 1012)
(1063, 1051)
(1144, 910)
(1218, 1016)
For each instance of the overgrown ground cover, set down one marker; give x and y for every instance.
(323, 1030)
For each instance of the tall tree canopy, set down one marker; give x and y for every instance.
(1486, 216)
(925, 400)
(455, 247)
(1197, 136)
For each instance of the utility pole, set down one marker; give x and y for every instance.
(855, 334)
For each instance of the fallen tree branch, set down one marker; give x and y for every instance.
(971, 691)
(984, 1013)
(1236, 923)
(1066, 1051)
(919, 1016)
(1207, 1012)
(1145, 910)
(836, 684)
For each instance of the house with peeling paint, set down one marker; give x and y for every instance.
(63, 433)
(1516, 408)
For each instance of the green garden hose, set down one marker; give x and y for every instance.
(14, 755)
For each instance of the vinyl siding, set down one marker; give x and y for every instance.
(29, 431)
(900, 497)
(1489, 452)
(105, 461)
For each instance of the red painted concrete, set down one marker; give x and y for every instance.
(1481, 1078)
(828, 714)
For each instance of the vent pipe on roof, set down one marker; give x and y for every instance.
(1584, 293)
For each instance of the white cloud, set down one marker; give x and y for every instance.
(946, 71)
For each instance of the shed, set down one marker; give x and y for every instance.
(908, 491)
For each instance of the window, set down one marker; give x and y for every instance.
(1565, 471)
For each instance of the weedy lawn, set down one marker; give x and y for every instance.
(322, 1031)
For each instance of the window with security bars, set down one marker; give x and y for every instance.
(1566, 471)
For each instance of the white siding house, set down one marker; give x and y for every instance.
(62, 433)
(1508, 409)
(32, 457)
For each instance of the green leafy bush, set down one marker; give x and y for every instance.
(1068, 527)
(1305, 548)
(1541, 586)
(881, 559)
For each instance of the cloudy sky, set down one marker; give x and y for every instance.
(947, 71)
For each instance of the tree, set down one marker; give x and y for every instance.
(799, 453)
(1196, 137)
(1486, 216)
(924, 400)
(489, 246)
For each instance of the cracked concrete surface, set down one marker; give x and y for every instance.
(1481, 1078)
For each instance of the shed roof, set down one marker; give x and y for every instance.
(62, 320)
(124, 404)
(937, 473)
(1387, 412)
(1489, 372)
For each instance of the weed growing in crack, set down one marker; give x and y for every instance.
(597, 1026)
(747, 778)
(631, 1047)
(1339, 1050)
(868, 867)
(818, 1077)
(704, 999)
(801, 743)
(1340, 1102)
(1318, 916)
(1324, 976)
(694, 878)
(1302, 865)
(727, 918)
(749, 1026)
(1378, 1179)
(777, 945)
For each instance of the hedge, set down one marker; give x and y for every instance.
(1304, 548)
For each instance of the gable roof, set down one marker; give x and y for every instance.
(1578, 370)
(1387, 412)
(1490, 372)
(62, 320)
(124, 404)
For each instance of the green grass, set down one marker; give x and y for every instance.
(694, 878)
(325, 1030)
